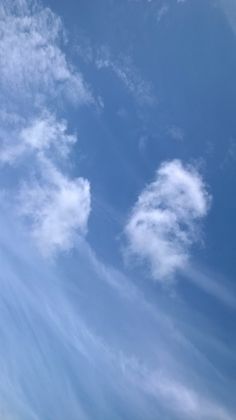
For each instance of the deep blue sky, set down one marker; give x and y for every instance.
(117, 226)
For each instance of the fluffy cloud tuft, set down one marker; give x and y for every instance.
(43, 134)
(57, 207)
(164, 223)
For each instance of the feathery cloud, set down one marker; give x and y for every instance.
(123, 68)
(34, 75)
(126, 72)
(33, 66)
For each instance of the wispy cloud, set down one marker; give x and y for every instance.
(176, 133)
(123, 68)
(185, 400)
(181, 333)
(43, 135)
(63, 358)
(126, 72)
(230, 155)
(164, 9)
(164, 223)
(229, 9)
(58, 208)
(79, 339)
(35, 79)
(32, 63)
(213, 284)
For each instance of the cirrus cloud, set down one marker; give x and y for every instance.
(33, 66)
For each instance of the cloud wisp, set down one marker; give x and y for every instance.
(123, 68)
(68, 367)
(126, 72)
(164, 222)
(33, 66)
(35, 79)
(229, 10)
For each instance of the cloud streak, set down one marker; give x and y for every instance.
(126, 72)
(124, 69)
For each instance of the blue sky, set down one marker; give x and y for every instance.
(117, 244)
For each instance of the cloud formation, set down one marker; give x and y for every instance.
(123, 68)
(35, 79)
(164, 222)
(126, 72)
(33, 65)
(58, 208)
(43, 134)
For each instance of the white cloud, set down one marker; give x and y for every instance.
(126, 72)
(58, 208)
(35, 75)
(42, 135)
(33, 66)
(46, 132)
(213, 284)
(164, 222)
(36, 78)
(164, 9)
(181, 398)
(123, 68)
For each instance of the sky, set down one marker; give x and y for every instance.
(117, 222)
